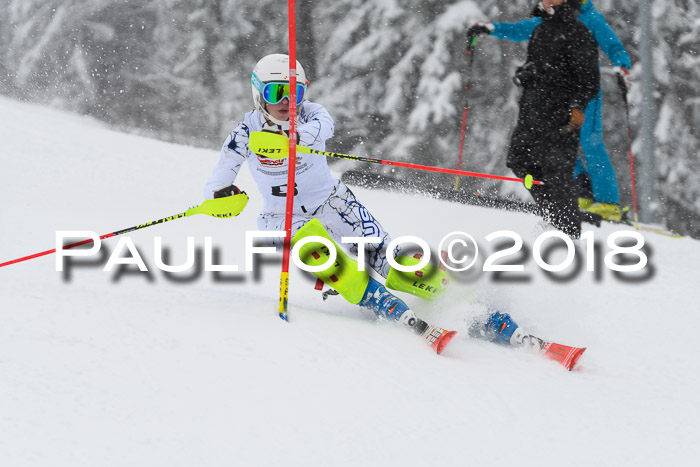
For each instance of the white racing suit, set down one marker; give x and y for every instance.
(317, 193)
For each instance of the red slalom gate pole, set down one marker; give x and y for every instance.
(228, 206)
(465, 110)
(275, 146)
(48, 252)
(291, 170)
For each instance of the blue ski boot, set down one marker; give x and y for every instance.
(501, 328)
(386, 305)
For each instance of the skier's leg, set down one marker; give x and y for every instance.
(580, 168)
(275, 222)
(344, 276)
(357, 287)
(386, 305)
(557, 197)
(600, 169)
(582, 182)
(502, 329)
(559, 203)
(344, 216)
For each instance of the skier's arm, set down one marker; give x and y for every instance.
(518, 32)
(606, 38)
(233, 153)
(316, 126)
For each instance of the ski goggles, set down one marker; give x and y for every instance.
(275, 91)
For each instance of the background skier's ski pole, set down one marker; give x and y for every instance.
(623, 89)
(276, 146)
(465, 109)
(228, 206)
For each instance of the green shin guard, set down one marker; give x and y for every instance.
(428, 282)
(343, 275)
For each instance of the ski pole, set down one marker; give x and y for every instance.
(623, 89)
(228, 206)
(465, 108)
(276, 146)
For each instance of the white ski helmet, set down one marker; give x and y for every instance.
(274, 68)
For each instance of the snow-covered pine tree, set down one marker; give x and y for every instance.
(79, 55)
(677, 87)
(393, 75)
(677, 73)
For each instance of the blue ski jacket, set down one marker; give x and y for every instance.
(593, 19)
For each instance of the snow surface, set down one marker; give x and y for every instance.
(112, 369)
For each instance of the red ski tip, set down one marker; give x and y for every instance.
(437, 338)
(564, 354)
(574, 357)
(444, 340)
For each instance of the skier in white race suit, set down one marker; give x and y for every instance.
(317, 194)
(320, 196)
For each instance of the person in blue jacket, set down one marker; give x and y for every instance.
(605, 199)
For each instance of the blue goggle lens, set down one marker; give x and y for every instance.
(273, 93)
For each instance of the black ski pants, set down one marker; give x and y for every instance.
(549, 157)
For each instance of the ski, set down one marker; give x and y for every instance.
(659, 231)
(651, 229)
(645, 227)
(436, 337)
(565, 355)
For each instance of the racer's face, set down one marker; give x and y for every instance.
(280, 110)
(548, 4)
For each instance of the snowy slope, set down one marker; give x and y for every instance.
(139, 369)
